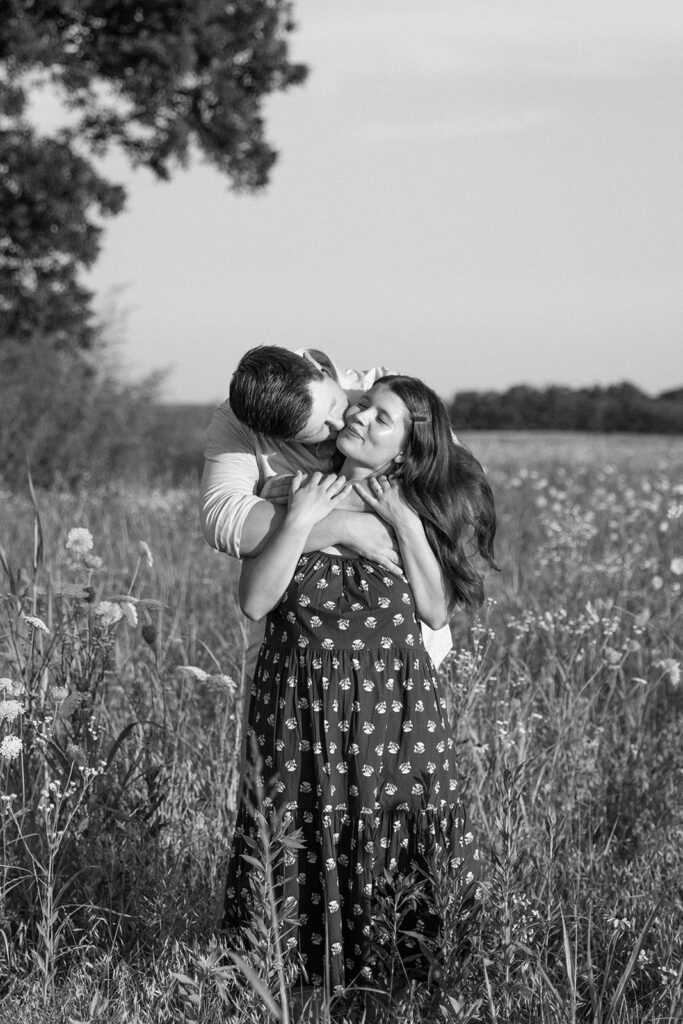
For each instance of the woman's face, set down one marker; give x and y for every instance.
(375, 429)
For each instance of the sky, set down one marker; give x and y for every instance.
(478, 193)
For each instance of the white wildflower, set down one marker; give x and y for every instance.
(223, 681)
(672, 671)
(677, 566)
(6, 684)
(109, 612)
(37, 623)
(92, 561)
(10, 709)
(195, 673)
(10, 747)
(79, 541)
(59, 693)
(657, 582)
(130, 612)
(145, 553)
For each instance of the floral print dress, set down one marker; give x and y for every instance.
(349, 739)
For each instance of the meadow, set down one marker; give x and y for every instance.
(121, 668)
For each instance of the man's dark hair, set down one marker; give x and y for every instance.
(270, 391)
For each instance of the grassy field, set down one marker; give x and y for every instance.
(122, 681)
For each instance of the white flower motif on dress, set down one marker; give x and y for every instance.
(419, 748)
(367, 771)
(316, 622)
(396, 705)
(343, 725)
(410, 639)
(327, 644)
(397, 619)
(343, 624)
(329, 606)
(431, 767)
(291, 617)
(431, 726)
(368, 685)
(371, 622)
(379, 749)
(381, 707)
(321, 584)
(368, 728)
(303, 641)
(390, 788)
(418, 789)
(419, 705)
(441, 746)
(386, 642)
(345, 684)
(291, 723)
(354, 749)
(407, 726)
(405, 768)
(393, 747)
(342, 768)
(333, 906)
(356, 607)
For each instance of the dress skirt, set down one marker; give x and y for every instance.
(347, 741)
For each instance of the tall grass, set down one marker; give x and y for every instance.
(566, 698)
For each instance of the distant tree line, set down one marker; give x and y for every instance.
(619, 407)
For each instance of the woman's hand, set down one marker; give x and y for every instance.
(312, 498)
(385, 497)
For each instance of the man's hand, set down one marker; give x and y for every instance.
(375, 539)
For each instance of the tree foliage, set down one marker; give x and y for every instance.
(619, 407)
(159, 79)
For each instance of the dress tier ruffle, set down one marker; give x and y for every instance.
(348, 740)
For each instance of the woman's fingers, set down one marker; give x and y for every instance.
(335, 484)
(297, 481)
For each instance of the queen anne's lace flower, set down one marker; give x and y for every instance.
(677, 566)
(79, 540)
(130, 612)
(6, 684)
(10, 709)
(37, 623)
(195, 673)
(145, 553)
(10, 747)
(109, 612)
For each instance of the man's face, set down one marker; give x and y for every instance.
(326, 418)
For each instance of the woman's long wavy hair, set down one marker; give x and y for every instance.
(447, 487)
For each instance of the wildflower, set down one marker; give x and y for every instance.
(130, 612)
(10, 747)
(223, 681)
(677, 566)
(7, 685)
(672, 671)
(92, 561)
(145, 553)
(195, 673)
(37, 623)
(109, 612)
(59, 693)
(79, 541)
(10, 709)
(76, 753)
(657, 582)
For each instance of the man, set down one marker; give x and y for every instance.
(283, 414)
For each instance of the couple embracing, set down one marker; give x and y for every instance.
(357, 516)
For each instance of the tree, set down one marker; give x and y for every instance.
(158, 78)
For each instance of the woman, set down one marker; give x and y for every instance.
(345, 715)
